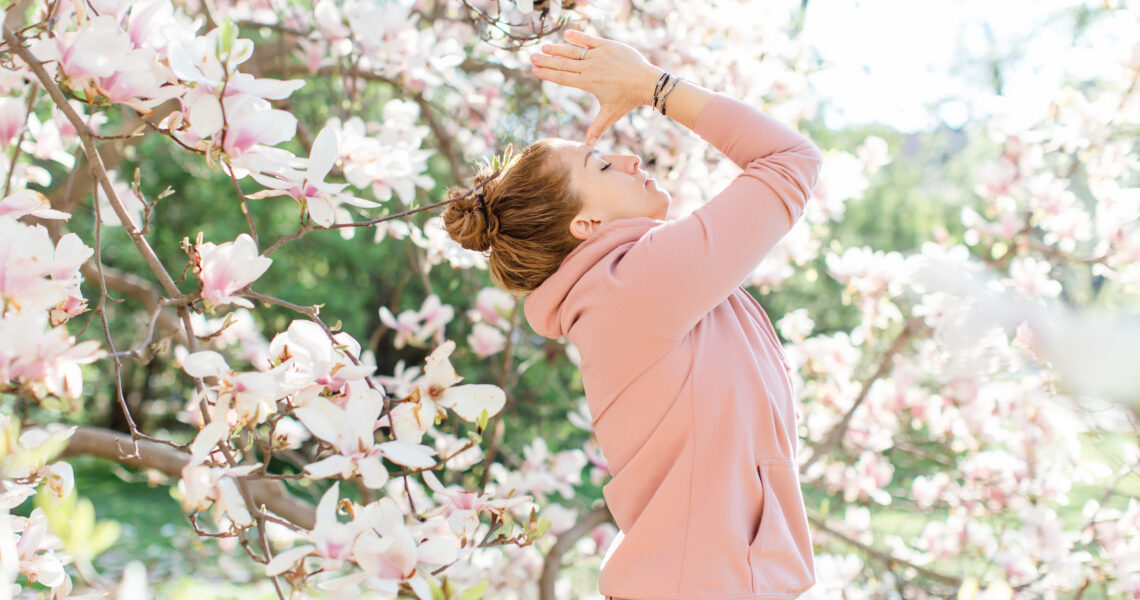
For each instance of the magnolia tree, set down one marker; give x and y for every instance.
(949, 398)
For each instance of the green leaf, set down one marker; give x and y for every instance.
(481, 423)
(436, 591)
(105, 535)
(541, 527)
(475, 593)
(226, 36)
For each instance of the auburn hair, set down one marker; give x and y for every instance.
(522, 216)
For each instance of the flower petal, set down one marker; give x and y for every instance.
(468, 401)
(322, 156)
(407, 454)
(284, 561)
(373, 473)
(206, 439)
(206, 363)
(329, 467)
(438, 551)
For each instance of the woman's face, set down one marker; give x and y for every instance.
(611, 186)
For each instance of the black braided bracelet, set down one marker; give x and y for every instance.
(661, 83)
(666, 96)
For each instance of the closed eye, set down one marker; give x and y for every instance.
(607, 166)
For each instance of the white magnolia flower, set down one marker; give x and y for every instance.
(436, 391)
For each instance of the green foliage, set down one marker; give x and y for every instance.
(72, 519)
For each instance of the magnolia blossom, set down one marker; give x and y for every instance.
(29, 202)
(350, 432)
(46, 361)
(416, 327)
(227, 268)
(320, 198)
(100, 59)
(313, 362)
(436, 391)
(203, 485)
(486, 340)
(463, 507)
(493, 306)
(12, 118)
(251, 396)
(330, 539)
(378, 541)
(385, 156)
(542, 471)
(35, 537)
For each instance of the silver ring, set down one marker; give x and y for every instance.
(583, 57)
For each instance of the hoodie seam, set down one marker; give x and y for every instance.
(633, 316)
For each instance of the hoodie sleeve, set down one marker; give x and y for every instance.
(681, 270)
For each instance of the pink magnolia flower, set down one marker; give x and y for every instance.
(320, 198)
(493, 305)
(243, 399)
(350, 431)
(141, 82)
(13, 115)
(97, 49)
(29, 202)
(436, 391)
(46, 361)
(34, 552)
(317, 364)
(462, 507)
(46, 141)
(224, 269)
(329, 539)
(486, 340)
(401, 382)
(417, 327)
(204, 485)
(26, 258)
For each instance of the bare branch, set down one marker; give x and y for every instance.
(552, 562)
(104, 443)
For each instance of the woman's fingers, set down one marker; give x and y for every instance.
(564, 50)
(585, 39)
(556, 62)
(559, 77)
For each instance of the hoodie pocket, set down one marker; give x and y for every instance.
(780, 553)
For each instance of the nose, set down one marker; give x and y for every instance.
(628, 162)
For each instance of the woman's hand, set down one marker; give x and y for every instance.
(614, 73)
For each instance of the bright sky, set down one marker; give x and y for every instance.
(911, 63)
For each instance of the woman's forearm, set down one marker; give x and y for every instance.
(684, 103)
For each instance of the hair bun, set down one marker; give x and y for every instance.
(471, 221)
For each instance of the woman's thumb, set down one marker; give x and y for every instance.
(601, 123)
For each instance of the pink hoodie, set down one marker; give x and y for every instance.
(686, 380)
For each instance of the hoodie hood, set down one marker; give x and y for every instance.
(546, 307)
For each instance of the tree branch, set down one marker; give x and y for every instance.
(104, 443)
(552, 562)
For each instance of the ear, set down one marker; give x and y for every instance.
(583, 226)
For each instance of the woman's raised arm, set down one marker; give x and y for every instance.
(682, 269)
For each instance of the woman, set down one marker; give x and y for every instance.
(685, 378)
